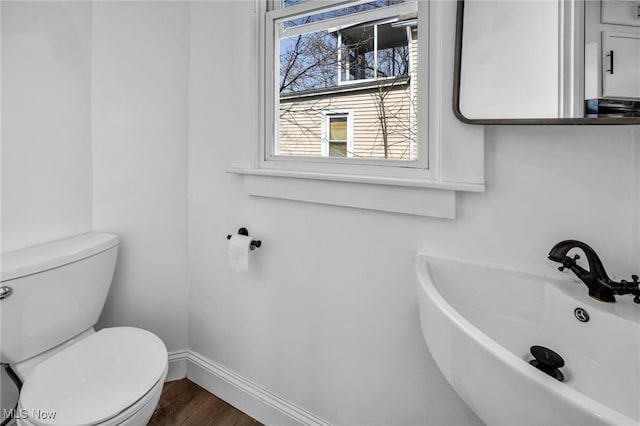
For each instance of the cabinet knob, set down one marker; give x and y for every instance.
(610, 56)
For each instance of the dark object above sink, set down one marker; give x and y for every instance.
(600, 286)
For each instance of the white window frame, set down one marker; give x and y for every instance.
(326, 120)
(270, 159)
(455, 150)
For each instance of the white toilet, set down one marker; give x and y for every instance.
(51, 297)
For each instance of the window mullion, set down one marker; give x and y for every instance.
(339, 64)
(375, 52)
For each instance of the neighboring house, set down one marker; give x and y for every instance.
(370, 110)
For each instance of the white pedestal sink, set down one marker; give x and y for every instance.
(479, 323)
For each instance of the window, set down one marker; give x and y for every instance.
(358, 51)
(337, 133)
(337, 140)
(360, 56)
(375, 50)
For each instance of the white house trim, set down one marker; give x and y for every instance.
(242, 393)
(455, 149)
(177, 365)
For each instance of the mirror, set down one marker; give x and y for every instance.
(547, 62)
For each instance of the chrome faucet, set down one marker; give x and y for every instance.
(601, 287)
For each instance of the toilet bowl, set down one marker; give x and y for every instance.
(112, 377)
(73, 375)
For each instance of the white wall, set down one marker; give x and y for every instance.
(139, 132)
(94, 111)
(327, 317)
(46, 145)
(46, 136)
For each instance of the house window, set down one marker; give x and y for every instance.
(375, 50)
(337, 136)
(358, 55)
(337, 140)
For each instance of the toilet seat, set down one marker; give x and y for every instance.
(94, 379)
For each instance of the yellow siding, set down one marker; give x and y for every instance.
(301, 122)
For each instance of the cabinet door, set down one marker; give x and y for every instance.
(620, 65)
(622, 12)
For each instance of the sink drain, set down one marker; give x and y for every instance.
(581, 314)
(547, 361)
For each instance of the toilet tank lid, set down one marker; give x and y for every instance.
(31, 260)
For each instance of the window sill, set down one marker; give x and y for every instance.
(429, 198)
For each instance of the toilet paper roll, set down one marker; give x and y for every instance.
(239, 246)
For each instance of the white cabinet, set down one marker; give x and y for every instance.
(620, 65)
(621, 12)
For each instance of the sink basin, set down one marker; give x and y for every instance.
(479, 323)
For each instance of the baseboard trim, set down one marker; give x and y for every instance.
(177, 365)
(246, 395)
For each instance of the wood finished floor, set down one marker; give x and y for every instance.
(183, 403)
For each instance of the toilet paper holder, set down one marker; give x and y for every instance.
(254, 243)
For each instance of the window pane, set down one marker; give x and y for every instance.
(367, 68)
(308, 62)
(337, 149)
(374, 50)
(338, 128)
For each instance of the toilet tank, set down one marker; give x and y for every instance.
(58, 290)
